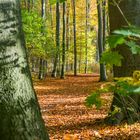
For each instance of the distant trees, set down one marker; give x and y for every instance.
(20, 115)
(45, 49)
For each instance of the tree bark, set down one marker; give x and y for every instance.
(29, 5)
(100, 40)
(20, 117)
(74, 37)
(86, 34)
(63, 43)
(67, 35)
(43, 15)
(104, 22)
(40, 75)
(57, 57)
(131, 11)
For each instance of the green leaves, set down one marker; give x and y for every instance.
(115, 40)
(135, 48)
(132, 31)
(111, 58)
(39, 43)
(124, 88)
(55, 1)
(93, 99)
(128, 36)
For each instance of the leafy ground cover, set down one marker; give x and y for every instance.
(67, 118)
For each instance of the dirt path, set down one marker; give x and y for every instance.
(65, 115)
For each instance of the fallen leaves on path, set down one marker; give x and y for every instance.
(67, 118)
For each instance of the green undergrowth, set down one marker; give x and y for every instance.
(125, 86)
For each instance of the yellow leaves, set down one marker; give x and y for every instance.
(63, 110)
(70, 137)
(135, 79)
(97, 134)
(136, 75)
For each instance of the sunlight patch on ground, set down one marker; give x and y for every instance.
(47, 87)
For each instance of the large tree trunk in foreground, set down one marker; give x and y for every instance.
(20, 117)
(131, 10)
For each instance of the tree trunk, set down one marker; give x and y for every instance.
(57, 57)
(20, 117)
(29, 5)
(63, 43)
(104, 22)
(100, 40)
(43, 15)
(67, 35)
(74, 37)
(40, 75)
(80, 54)
(33, 64)
(131, 10)
(86, 34)
(44, 68)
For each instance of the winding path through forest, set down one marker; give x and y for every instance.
(67, 118)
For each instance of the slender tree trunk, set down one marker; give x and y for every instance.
(80, 57)
(86, 34)
(33, 64)
(43, 15)
(44, 68)
(131, 10)
(63, 43)
(25, 3)
(57, 57)
(100, 40)
(74, 37)
(29, 4)
(40, 75)
(104, 21)
(33, 2)
(20, 117)
(67, 36)
(51, 22)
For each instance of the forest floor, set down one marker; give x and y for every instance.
(67, 118)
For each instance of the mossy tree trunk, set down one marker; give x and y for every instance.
(20, 117)
(131, 10)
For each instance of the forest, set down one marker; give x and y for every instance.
(69, 69)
